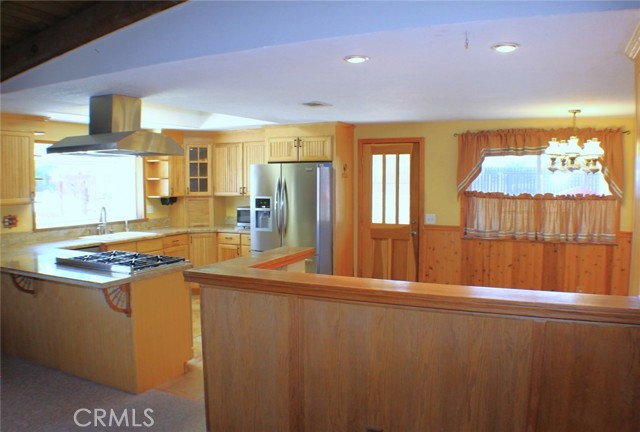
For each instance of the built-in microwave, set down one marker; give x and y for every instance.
(243, 217)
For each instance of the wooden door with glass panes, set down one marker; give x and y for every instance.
(389, 209)
(198, 169)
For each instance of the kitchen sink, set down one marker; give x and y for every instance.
(124, 235)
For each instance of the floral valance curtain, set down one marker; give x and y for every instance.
(583, 219)
(474, 146)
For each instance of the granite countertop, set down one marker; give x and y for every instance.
(38, 260)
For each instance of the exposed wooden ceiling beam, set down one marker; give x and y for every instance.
(76, 30)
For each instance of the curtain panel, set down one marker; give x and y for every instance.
(473, 147)
(580, 218)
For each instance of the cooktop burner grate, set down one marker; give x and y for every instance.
(120, 261)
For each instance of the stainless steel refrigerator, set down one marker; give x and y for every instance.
(291, 205)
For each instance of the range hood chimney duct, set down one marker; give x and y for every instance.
(114, 130)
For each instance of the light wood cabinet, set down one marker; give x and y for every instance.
(131, 246)
(16, 168)
(198, 166)
(233, 245)
(202, 249)
(147, 246)
(301, 149)
(176, 245)
(232, 163)
(164, 176)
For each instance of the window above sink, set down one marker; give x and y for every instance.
(71, 189)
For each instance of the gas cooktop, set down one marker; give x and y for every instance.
(120, 261)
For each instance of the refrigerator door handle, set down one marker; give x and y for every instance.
(284, 206)
(277, 195)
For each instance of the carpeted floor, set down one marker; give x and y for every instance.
(38, 399)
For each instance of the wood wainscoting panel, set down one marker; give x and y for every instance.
(621, 265)
(447, 258)
(411, 370)
(590, 378)
(516, 264)
(441, 255)
(586, 268)
(246, 348)
(476, 262)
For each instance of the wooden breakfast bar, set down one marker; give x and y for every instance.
(131, 332)
(289, 351)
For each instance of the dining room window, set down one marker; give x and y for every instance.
(528, 174)
(71, 189)
(508, 192)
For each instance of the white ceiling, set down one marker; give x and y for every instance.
(217, 64)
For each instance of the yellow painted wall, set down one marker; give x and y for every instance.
(441, 155)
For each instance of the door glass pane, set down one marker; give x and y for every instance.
(203, 170)
(390, 189)
(404, 196)
(202, 153)
(193, 185)
(376, 189)
(193, 154)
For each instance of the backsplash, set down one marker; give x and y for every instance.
(53, 235)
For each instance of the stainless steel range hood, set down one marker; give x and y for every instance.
(114, 130)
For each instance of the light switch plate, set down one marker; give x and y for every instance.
(429, 218)
(149, 209)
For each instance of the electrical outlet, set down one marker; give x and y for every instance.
(430, 218)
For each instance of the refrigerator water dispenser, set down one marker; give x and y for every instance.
(263, 215)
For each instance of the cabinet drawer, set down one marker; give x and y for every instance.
(151, 245)
(226, 238)
(177, 251)
(175, 240)
(245, 239)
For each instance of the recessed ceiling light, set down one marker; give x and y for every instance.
(505, 47)
(355, 59)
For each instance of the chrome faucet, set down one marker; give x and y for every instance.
(103, 226)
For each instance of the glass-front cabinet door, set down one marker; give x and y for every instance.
(198, 169)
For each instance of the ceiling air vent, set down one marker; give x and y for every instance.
(316, 104)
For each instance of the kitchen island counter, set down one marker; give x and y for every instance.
(128, 331)
(317, 353)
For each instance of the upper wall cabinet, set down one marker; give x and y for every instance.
(232, 163)
(164, 176)
(16, 168)
(300, 148)
(198, 166)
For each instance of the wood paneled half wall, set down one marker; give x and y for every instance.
(586, 268)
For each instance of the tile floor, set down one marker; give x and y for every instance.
(191, 384)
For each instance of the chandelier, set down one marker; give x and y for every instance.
(568, 156)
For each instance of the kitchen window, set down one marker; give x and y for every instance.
(507, 193)
(71, 189)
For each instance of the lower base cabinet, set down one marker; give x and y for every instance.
(233, 245)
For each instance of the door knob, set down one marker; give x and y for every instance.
(414, 233)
